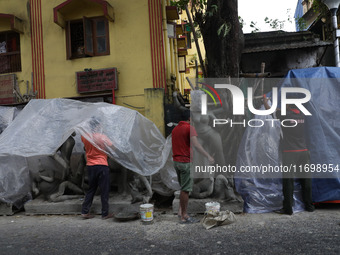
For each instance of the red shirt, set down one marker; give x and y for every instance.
(181, 135)
(94, 156)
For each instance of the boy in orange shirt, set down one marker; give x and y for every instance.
(98, 171)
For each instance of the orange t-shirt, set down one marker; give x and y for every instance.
(94, 156)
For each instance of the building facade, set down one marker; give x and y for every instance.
(116, 51)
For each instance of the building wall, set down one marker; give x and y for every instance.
(145, 57)
(129, 52)
(279, 62)
(55, 76)
(20, 8)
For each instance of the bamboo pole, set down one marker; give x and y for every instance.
(196, 42)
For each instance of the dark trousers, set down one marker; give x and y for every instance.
(296, 158)
(98, 177)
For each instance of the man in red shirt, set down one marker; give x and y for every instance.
(184, 135)
(98, 170)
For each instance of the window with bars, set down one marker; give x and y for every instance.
(10, 58)
(88, 37)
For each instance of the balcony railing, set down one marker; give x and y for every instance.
(10, 62)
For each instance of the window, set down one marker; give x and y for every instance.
(10, 59)
(87, 38)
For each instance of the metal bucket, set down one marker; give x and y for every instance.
(146, 212)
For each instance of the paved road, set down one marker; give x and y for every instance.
(270, 233)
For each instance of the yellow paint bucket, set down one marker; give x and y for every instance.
(146, 212)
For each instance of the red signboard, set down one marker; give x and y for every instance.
(97, 80)
(7, 83)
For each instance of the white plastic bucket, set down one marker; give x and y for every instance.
(146, 212)
(212, 207)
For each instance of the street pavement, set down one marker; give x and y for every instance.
(267, 233)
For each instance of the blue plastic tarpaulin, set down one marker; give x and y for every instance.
(323, 138)
(323, 127)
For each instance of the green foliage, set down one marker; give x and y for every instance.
(182, 3)
(224, 29)
(254, 27)
(213, 10)
(175, 3)
(301, 23)
(319, 7)
(199, 8)
(274, 23)
(242, 23)
(289, 18)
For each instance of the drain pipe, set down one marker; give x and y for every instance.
(166, 41)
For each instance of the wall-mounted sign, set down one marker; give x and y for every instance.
(97, 80)
(7, 83)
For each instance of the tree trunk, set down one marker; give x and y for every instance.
(223, 55)
(223, 52)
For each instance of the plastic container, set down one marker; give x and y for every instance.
(212, 207)
(146, 212)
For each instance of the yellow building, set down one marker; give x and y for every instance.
(116, 51)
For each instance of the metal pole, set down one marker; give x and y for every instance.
(336, 40)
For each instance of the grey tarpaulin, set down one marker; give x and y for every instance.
(43, 126)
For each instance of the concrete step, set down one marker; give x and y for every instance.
(39, 206)
(6, 209)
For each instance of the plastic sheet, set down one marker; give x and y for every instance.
(44, 125)
(6, 117)
(323, 138)
(323, 128)
(14, 178)
(261, 193)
